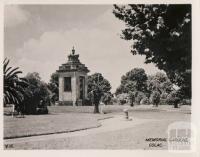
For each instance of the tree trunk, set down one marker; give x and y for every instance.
(176, 105)
(96, 108)
(132, 103)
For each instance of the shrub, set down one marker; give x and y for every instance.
(43, 110)
(163, 98)
(122, 102)
(39, 95)
(155, 98)
(53, 87)
(139, 96)
(114, 101)
(106, 98)
(144, 101)
(87, 102)
(122, 98)
(185, 102)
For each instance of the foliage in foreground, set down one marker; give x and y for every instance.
(162, 33)
(14, 86)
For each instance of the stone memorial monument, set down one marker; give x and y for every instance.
(72, 81)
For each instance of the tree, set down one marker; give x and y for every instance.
(155, 98)
(132, 83)
(173, 98)
(134, 80)
(53, 87)
(131, 96)
(107, 97)
(98, 86)
(14, 86)
(37, 93)
(122, 98)
(163, 34)
(159, 82)
(139, 96)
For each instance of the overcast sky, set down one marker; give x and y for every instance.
(38, 38)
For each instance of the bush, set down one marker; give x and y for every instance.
(87, 102)
(106, 98)
(114, 101)
(43, 110)
(139, 97)
(185, 102)
(163, 98)
(122, 102)
(144, 101)
(37, 94)
(122, 98)
(155, 98)
(163, 101)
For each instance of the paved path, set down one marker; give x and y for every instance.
(116, 123)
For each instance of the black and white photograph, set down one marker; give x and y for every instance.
(98, 77)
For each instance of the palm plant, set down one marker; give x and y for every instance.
(13, 85)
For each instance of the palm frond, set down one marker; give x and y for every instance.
(5, 63)
(14, 87)
(13, 74)
(6, 70)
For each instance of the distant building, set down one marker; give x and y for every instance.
(72, 81)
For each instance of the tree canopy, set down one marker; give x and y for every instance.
(159, 82)
(134, 80)
(134, 84)
(163, 34)
(98, 79)
(36, 92)
(98, 88)
(53, 87)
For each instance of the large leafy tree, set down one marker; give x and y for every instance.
(14, 86)
(159, 82)
(133, 83)
(37, 92)
(163, 34)
(159, 87)
(134, 79)
(155, 98)
(98, 88)
(173, 98)
(53, 87)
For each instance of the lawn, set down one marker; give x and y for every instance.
(126, 138)
(68, 118)
(117, 108)
(48, 124)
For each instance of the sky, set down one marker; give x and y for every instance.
(38, 38)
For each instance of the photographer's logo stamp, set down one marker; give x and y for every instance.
(181, 136)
